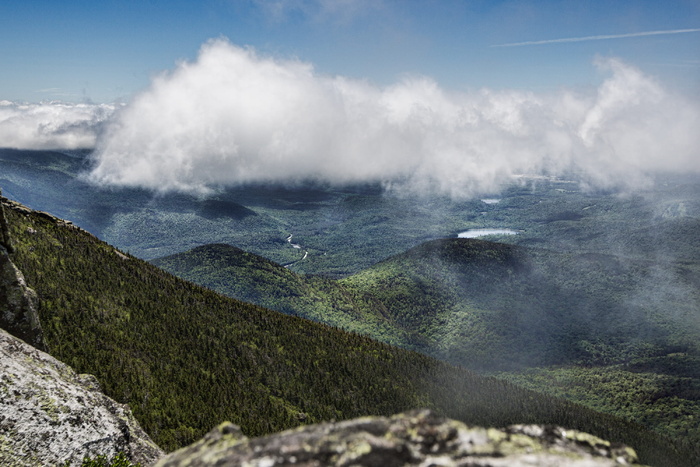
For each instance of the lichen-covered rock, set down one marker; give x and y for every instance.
(50, 415)
(414, 438)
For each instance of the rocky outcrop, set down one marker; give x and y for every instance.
(18, 303)
(5, 240)
(414, 438)
(50, 415)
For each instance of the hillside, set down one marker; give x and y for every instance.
(252, 278)
(498, 307)
(185, 358)
(617, 334)
(548, 305)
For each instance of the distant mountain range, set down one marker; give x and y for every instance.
(343, 230)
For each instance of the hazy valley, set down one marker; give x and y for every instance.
(595, 300)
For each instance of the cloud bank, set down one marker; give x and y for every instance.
(51, 125)
(234, 117)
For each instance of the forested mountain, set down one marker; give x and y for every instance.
(252, 278)
(185, 358)
(502, 308)
(603, 300)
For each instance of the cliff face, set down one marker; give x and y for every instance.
(18, 303)
(50, 415)
(413, 438)
(5, 240)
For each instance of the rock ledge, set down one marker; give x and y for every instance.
(412, 438)
(50, 415)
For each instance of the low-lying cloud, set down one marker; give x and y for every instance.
(234, 117)
(51, 125)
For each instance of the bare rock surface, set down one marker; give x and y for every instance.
(49, 414)
(414, 438)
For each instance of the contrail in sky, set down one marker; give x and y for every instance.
(598, 38)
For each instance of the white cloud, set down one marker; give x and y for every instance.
(233, 117)
(51, 125)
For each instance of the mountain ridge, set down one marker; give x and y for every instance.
(155, 342)
(473, 302)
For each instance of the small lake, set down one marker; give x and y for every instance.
(473, 233)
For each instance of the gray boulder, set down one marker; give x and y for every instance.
(50, 415)
(413, 438)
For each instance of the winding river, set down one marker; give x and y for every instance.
(297, 246)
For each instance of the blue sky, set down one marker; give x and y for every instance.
(107, 50)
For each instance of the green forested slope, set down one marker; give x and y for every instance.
(185, 358)
(497, 307)
(504, 306)
(252, 278)
(486, 305)
(640, 391)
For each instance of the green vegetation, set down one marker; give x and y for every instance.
(609, 281)
(491, 306)
(119, 460)
(252, 278)
(185, 358)
(639, 390)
